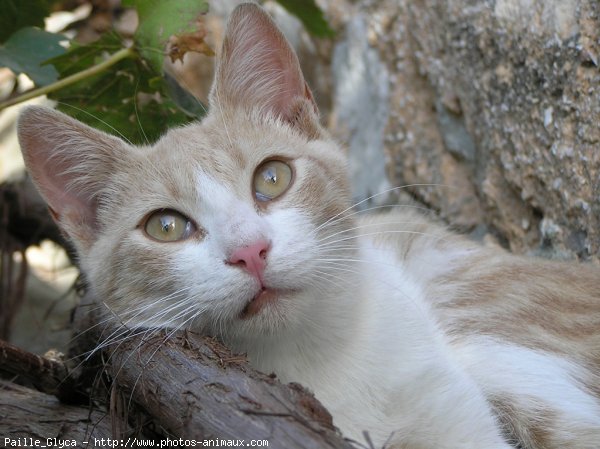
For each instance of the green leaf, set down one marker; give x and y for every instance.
(27, 49)
(310, 15)
(161, 19)
(80, 57)
(182, 97)
(16, 14)
(126, 100)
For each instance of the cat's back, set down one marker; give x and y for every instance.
(525, 329)
(539, 304)
(476, 290)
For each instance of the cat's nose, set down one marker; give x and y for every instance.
(251, 258)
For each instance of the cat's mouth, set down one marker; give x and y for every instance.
(264, 297)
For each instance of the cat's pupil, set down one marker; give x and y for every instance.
(167, 223)
(270, 175)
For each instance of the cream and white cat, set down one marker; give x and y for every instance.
(240, 226)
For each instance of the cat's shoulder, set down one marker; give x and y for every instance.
(411, 231)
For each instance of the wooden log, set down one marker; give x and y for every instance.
(47, 375)
(27, 416)
(182, 386)
(196, 389)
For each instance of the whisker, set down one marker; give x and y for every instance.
(181, 81)
(137, 115)
(223, 118)
(167, 337)
(145, 332)
(340, 261)
(368, 225)
(372, 208)
(163, 312)
(124, 321)
(99, 119)
(392, 287)
(424, 234)
(326, 276)
(382, 193)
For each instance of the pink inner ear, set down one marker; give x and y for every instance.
(69, 162)
(78, 207)
(258, 69)
(53, 174)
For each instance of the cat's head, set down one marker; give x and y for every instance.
(224, 225)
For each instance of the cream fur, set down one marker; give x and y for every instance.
(401, 328)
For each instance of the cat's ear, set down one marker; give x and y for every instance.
(257, 69)
(69, 163)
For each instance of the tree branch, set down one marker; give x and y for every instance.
(196, 388)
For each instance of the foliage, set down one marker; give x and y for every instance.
(27, 49)
(310, 15)
(154, 31)
(124, 92)
(17, 14)
(127, 99)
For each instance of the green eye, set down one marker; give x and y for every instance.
(168, 226)
(271, 179)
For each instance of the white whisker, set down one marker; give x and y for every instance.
(95, 117)
(368, 225)
(424, 234)
(378, 194)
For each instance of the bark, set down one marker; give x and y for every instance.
(27, 414)
(45, 374)
(176, 386)
(194, 388)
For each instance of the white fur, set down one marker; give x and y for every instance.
(538, 382)
(360, 314)
(381, 344)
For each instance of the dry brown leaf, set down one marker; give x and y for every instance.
(180, 44)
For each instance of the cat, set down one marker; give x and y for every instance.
(241, 227)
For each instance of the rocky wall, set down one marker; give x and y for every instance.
(496, 104)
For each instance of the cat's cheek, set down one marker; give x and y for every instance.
(293, 249)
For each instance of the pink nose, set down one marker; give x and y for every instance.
(251, 258)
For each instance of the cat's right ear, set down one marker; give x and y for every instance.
(258, 70)
(69, 163)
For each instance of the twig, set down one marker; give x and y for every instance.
(46, 375)
(116, 57)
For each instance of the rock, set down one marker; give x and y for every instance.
(361, 93)
(495, 107)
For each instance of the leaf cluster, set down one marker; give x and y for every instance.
(112, 84)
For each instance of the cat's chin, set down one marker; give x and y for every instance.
(264, 298)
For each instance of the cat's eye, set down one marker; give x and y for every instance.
(167, 225)
(271, 179)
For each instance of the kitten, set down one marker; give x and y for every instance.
(241, 227)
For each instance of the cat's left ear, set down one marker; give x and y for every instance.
(70, 164)
(258, 70)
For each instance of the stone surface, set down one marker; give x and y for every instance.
(496, 106)
(361, 93)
